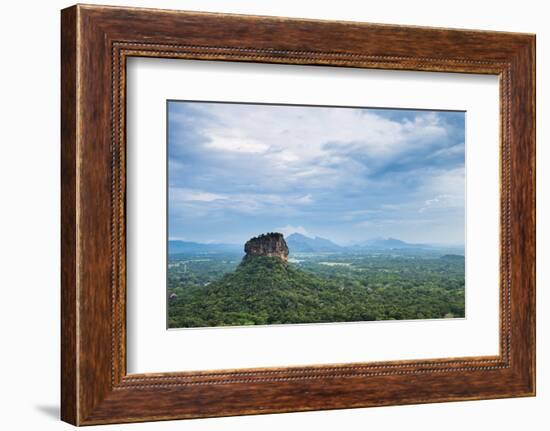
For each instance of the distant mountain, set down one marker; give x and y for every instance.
(388, 244)
(179, 246)
(298, 243)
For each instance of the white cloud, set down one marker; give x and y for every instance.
(389, 221)
(440, 201)
(306, 199)
(182, 194)
(238, 144)
(247, 163)
(289, 230)
(200, 202)
(449, 182)
(444, 189)
(295, 144)
(454, 150)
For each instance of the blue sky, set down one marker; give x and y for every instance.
(347, 174)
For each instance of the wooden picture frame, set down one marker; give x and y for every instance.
(95, 43)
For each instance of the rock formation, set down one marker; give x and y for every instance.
(271, 244)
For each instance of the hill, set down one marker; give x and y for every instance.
(299, 243)
(263, 290)
(266, 290)
(272, 244)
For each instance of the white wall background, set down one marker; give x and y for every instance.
(29, 217)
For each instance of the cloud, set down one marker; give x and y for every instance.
(177, 194)
(440, 201)
(325, 168)
(449, 184)
(198, 201)
(396, 221)
(298, 144)
(239, 144)
(452, 151)
(306, 199)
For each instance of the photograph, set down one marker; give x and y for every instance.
(299, 214)
(274, 210)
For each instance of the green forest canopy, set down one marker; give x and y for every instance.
(266, 290)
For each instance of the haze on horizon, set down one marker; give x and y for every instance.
(345, 174)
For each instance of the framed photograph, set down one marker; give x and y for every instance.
(265, 215)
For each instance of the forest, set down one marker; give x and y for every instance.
(217, 289)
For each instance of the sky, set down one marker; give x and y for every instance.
(347, 174)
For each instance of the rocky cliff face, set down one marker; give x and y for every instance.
(271, 244)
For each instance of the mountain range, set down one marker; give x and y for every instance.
(388, 243)
(299, 243)
(262, 290)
